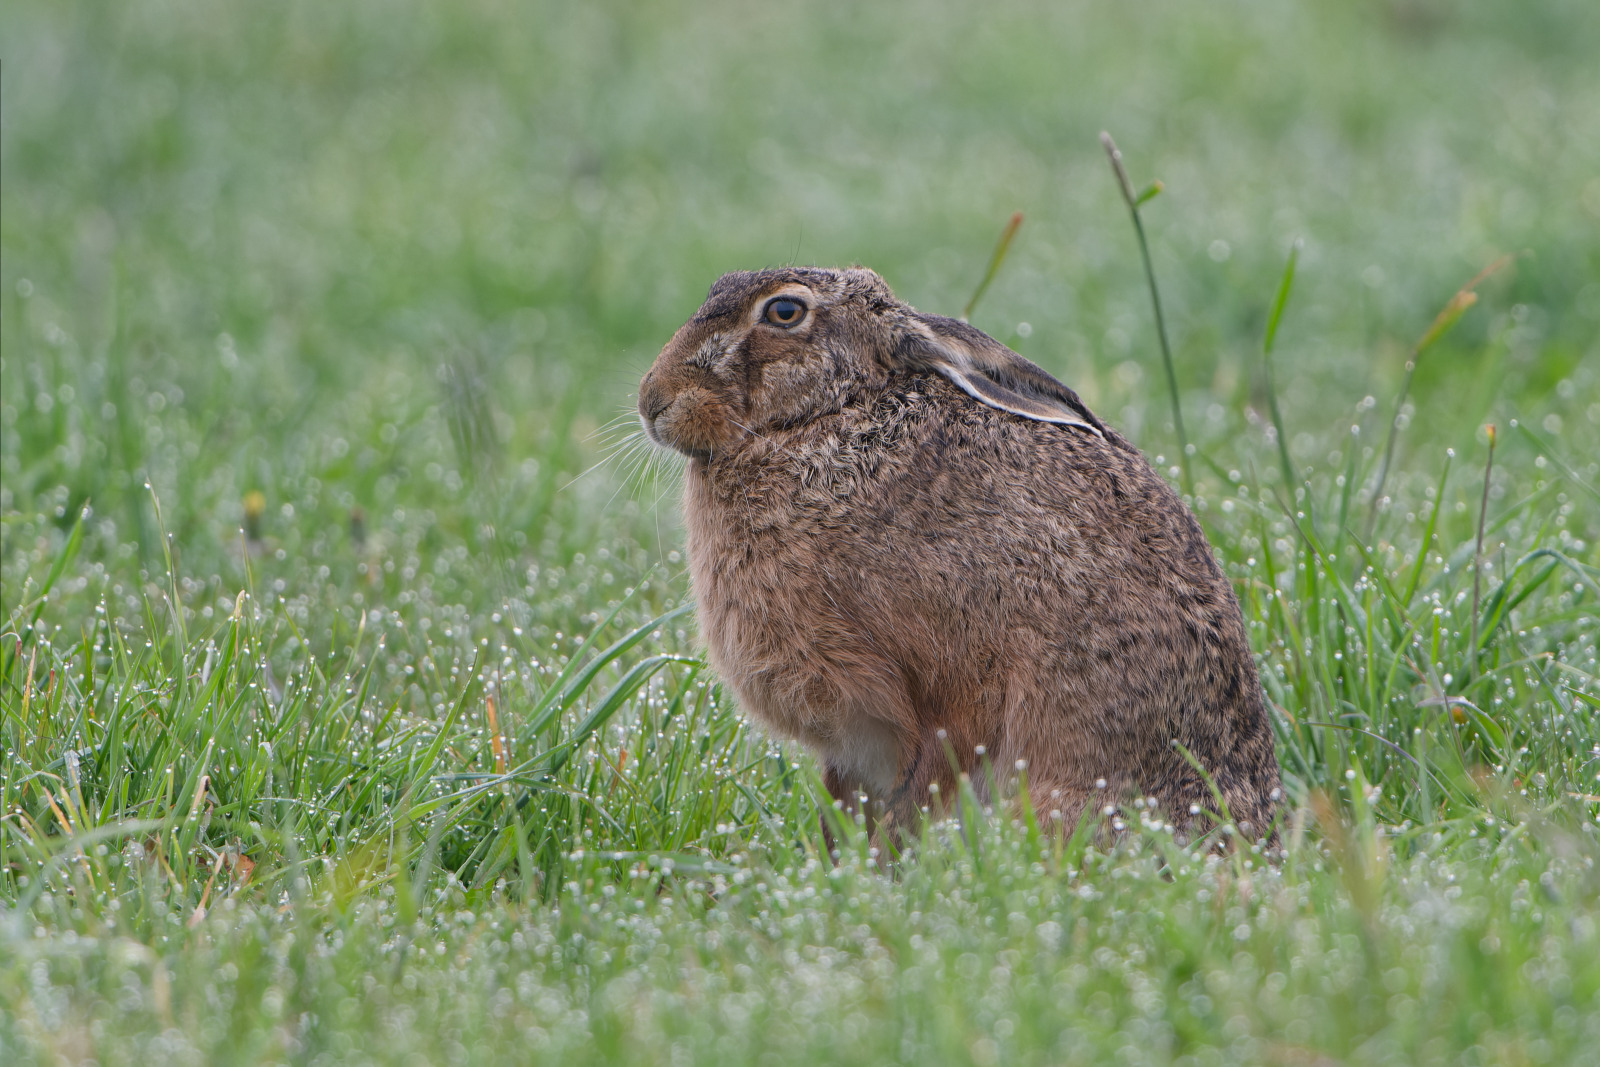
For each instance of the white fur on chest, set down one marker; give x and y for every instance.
(864, 753)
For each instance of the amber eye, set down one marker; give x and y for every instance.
(785, 312)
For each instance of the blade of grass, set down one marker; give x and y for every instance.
(1448, 316)
(1501, 601)
(561, 693)
(1477, 558)
(608, 705)
(1550, 454)
(1285, 286)
(1427, 533)
(63, 560)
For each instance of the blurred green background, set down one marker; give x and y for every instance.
(387, 255)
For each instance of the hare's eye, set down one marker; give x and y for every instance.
(785, 312)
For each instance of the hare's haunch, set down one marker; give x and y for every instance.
(907, 541)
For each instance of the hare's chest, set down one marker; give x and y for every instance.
(798, 665)
(803, 684)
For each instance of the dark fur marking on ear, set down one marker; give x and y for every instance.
(993, 374)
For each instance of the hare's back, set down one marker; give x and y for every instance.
(1031, 498)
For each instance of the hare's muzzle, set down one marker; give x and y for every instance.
(687, 417)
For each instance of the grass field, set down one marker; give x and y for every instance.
(352, 705)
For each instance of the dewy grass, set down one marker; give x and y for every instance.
(374, 733)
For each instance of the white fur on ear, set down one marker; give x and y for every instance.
(991, 373)
(990, 392)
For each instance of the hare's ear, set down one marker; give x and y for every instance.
(988, 371)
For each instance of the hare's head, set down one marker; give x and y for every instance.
(776, 348)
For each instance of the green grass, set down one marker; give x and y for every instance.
(350, 707)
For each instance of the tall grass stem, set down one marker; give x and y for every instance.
(1001, 248)
(1133, 201)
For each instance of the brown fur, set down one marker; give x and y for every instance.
(880, 556)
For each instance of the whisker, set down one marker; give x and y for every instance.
(617, 445)
(625, 414)
(633, 460)
(605, 460)
(750, 430)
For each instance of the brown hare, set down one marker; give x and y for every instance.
(907, 541)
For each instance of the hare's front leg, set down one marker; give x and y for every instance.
(926, 781)
(849, 800)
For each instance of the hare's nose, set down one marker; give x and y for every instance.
(652, 401)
